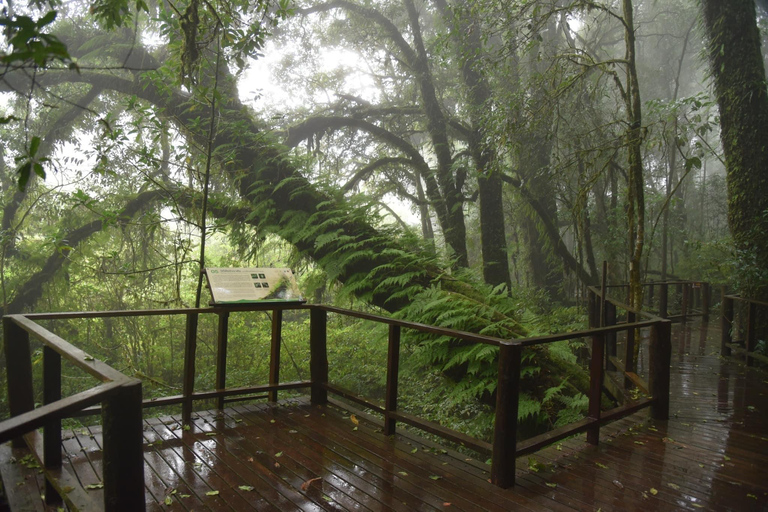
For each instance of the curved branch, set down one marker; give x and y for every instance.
(369, 13)
(370, 168)
(551, 231)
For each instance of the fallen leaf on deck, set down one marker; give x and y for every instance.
(673, 486)
(618, 484)
(185, 495)
(212, 493)
(551, 484)
(168, 501)
(414, 450)
(354, 419)
(308, 483)
(640, 443)
(277, 464)
(249, 459)
(653, 491)
(435, 477)
(403, 473)
(447, 504)
(751, 496)
(271, 421)
(279, 454)
(245, 487)
(603, 466)
(94, 486)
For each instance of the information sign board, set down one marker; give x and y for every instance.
(245, 285)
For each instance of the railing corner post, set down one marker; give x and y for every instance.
(190, 351)
(123, 463)
(393, 370)
(663, 300)
(726, 323)
(18, 370)
(318, 354)
(52, 458)
(659, 374)
(596, 386)
(274, 352)
(505, 423)
(221, 356)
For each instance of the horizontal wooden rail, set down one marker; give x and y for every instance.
(19, 425)
(74, 355)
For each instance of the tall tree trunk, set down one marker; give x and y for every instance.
(738, 73)
(636, 184)
(492, 232)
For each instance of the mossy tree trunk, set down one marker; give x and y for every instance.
(739, 81)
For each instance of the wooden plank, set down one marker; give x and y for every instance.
(329, 466)
(288, 458)
(22, 489)
(65, 483)
(215, 465)
(400, 468)
(454, 484)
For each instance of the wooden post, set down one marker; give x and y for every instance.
(652, 287)
(188, 383)
(610, 339)
(706, 299)
(393, 369)
(318, 355)
(52, 428)
(505, 423)
(123, 463)
(658, 375)
(221, 356)
(726, 323)
(18, 371)
(686, 290)
(274, 352)
(603, 293)
(629, 353)
(595, 385)
(751, 336)
(593, 311)
(663, 300)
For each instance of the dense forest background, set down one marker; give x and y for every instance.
(465, 163)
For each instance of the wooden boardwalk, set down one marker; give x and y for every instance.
(711, 455)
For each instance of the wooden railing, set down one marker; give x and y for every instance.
(120, 401)
(746, 315)
(694, 298)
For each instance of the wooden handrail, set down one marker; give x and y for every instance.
(120, 396)
(504, 448)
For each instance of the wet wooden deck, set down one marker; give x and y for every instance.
(711, 455)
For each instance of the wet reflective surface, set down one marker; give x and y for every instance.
(711, 455)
